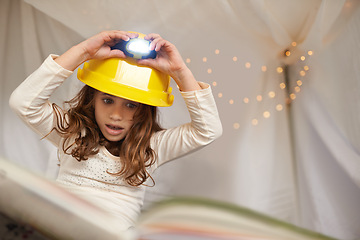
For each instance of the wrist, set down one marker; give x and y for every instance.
(83, 54)
(186, 80)
(181, 73)
(72, 58)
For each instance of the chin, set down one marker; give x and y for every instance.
(114, 138)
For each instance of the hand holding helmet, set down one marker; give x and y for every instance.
(100, 45)
(96, 47)
(169, 61)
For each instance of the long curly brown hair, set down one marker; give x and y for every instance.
(78, 122)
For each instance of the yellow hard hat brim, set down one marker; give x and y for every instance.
(123, 78)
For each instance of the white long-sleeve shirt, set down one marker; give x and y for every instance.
(89, 179)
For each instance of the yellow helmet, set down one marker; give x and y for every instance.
(126, 79)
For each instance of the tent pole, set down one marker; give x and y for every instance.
(290, 120)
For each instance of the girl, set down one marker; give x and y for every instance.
(109, 146)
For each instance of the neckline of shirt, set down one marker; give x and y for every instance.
(107, 153)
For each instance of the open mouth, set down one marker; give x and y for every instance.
(113, 129)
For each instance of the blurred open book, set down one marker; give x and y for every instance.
(201, 219)
(57, 214)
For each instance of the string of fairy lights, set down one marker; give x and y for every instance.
(291, 92)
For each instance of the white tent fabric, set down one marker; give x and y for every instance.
(286, 76)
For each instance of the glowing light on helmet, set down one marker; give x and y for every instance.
(137, 48)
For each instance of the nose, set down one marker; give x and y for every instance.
(116, 113)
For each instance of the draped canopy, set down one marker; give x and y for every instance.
(285, 75)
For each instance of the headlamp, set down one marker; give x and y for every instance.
(137, 48)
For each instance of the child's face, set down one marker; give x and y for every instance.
(114, 115)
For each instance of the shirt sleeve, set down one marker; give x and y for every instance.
(204, 127)
(30, 100)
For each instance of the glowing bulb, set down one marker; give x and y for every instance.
(214, 84)
(188, 60)
(204, 59)
(209, 70)
(248, 65)
(231, 101)
(136, 48)
(263, 68)
(279, 69)
(138, 45)
(217, 51)
(246, 100)
(292, 96)
(293, 44)
(282, 85)
(259, 98)
(302, 58)
(271, 94)
(234, 59)
(236, 125)
(254, 122)
(310, 53)
(299, 82)
(279, 107)
(266, 114)
(220, 95)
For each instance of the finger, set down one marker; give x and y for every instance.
(116, 53)
(152, 36)
(157, 43)
(123, 34)
(113, 37)
(132, 34)
(146, 62)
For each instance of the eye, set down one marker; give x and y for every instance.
(131, 105)
(108, 100)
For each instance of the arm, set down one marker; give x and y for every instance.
(204, 128)
(31, 99)
(205, 125)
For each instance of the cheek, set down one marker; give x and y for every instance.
(96, 116)
(130, 120)
(130, 115)
(98, 112)
(95, 110)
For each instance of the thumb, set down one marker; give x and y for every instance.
(147, 62)
(117, 53)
